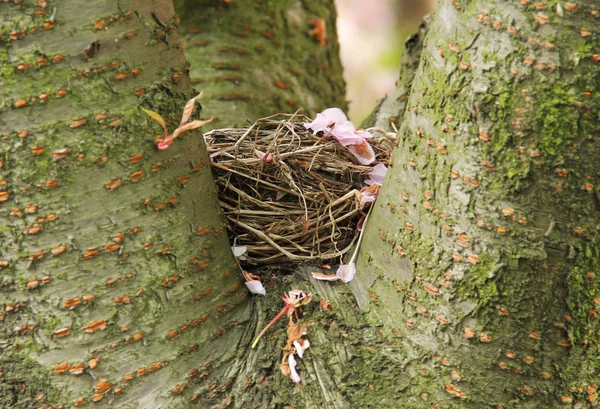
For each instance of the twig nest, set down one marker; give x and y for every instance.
(287, 194)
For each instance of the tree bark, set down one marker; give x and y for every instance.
(476, 280)
(117, 279)
(258, 58)
(482, 252)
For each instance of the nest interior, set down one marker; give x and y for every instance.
(300, 201)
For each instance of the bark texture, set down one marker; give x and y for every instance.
(117, 283)
(257, 58)
(482, 252)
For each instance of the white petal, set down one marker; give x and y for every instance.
(293, 374)
(346, 272)
(300, 348)
(238, 251)
(256, 287)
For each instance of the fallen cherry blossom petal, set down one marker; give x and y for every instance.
(361, 223)
(239, 251)
(324, 277)
(256, 287)
(253, 283)
(293, 374)
(346, 272)
(363, 152)
(325, 120)
(296, 298)
(376, 175)
(363, 134)
(300, 348)
(369, 194)
(263, 156)
(345, 133)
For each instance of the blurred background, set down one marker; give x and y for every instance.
(372, 35)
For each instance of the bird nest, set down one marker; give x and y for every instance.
(300, 201)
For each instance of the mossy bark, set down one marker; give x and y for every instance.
(257, 58)
(117, 278)
(477, 274)
(481, 256)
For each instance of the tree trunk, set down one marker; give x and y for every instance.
(117, 278)
(257, 58)
(476, 278)
(482, 252)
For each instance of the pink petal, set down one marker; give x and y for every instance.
(263, 156)
(376, 175)
(325, 277)
(165, 143)
(363, 134)
(369, 194)
(293, 374)
(366, 199)
(256, 287)
(326, 120)
(363, 152)
(346, 272)
(335, 115)
(345, 134)
(361, 221)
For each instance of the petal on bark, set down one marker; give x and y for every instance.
(293, 374)
(256, 287)
(369, 194)
(346, 272)
(301, 347)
